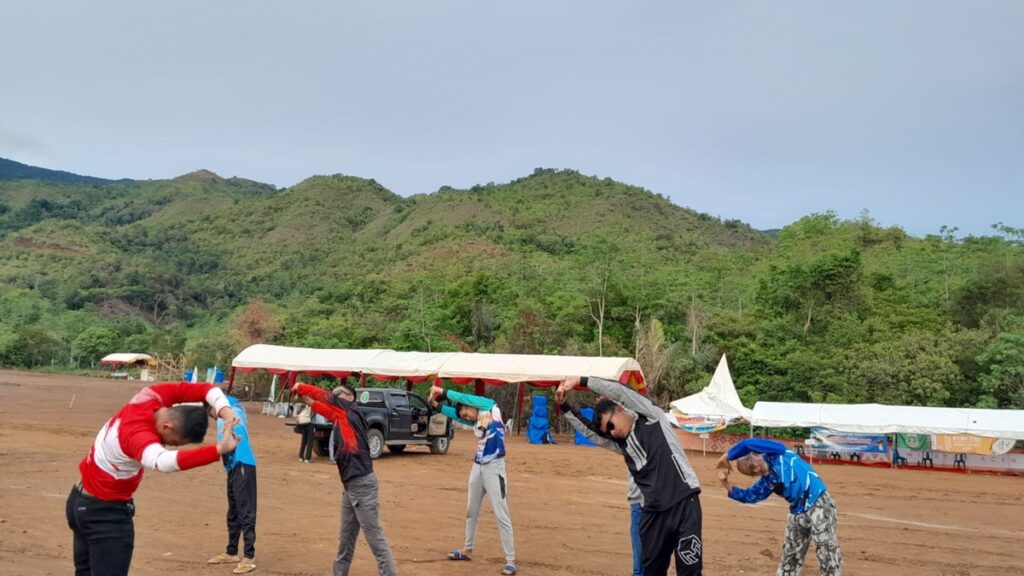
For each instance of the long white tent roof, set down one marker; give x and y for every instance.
(455, 365)
(880, 419)
(717, 400)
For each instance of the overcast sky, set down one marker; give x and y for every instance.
(762, 111)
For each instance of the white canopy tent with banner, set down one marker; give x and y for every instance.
(713, 408)
(1004, 426)
(884, 419)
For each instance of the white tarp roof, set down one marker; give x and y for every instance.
(717, 400)
(497, 367)
(534, 367)
(879, 419)
(266, 356)
(127, 358)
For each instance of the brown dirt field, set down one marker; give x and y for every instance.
(907, 522)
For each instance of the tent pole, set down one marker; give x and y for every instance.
(519, 409)
(231, 379)
(751, 429)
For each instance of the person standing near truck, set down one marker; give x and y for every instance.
(304, 424)
(360, 501)
(487, 477)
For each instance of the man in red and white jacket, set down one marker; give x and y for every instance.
(100, 507)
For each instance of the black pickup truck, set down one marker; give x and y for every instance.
(397, 419)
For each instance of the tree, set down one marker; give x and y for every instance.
(256, 324)
(654, 353)
(95, 342)
(1003, 381)
(830, 282)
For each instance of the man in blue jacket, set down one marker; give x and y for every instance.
(240, 466)
(488, 474)
(812, 512)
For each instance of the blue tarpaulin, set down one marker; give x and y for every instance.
(580, 439)
(538, 428)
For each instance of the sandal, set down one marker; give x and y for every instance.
(223, 559)
(509, 570)
(244, 568)
(458, 554)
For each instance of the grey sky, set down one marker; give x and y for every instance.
(762, 111)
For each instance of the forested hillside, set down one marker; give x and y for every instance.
(555, 262)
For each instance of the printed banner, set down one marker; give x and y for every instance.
(832, 441)
(917, 442)
(697, 424)
(970, 444)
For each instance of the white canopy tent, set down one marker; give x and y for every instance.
(883, 419)
(125, 358)
(460, 367)
(718, 400)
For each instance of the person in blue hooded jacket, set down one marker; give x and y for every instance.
(240, 466)
(812, 512)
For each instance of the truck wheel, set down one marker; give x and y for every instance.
(396, 448)
(440, 445)
(376, 441)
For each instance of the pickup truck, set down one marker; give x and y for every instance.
(397, 419)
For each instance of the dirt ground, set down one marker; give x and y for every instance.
(568, 505)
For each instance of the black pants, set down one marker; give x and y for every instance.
(104, 534)
(306, 448)
(242, 509)
(672, 532)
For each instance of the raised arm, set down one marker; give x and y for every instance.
(624, 396)
(473, 400)
(314, 392)
(756, 445)
(171, 393)
(757, 491)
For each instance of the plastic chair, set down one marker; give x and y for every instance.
(960, 461)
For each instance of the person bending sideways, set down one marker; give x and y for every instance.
(812, 512)
(360, 501)
(487, 477)
(100, 507)
(670, 521)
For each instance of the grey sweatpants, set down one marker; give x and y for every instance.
(489, 479)
(818, 524)
(360, 508)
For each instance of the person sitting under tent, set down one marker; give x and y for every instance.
(538, 428)
(812, 512)
(585, 426)
(487, 476)
(671, 520)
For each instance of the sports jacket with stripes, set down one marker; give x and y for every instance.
(652, 451)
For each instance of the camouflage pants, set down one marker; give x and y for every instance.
(818, 524)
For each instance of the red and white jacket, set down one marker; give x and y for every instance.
(129, 442)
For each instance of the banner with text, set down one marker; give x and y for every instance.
(832, 441)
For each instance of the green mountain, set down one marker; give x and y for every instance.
(555, 262)
(11, 170)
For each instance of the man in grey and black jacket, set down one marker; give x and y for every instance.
(670, 524)
(585, 426)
